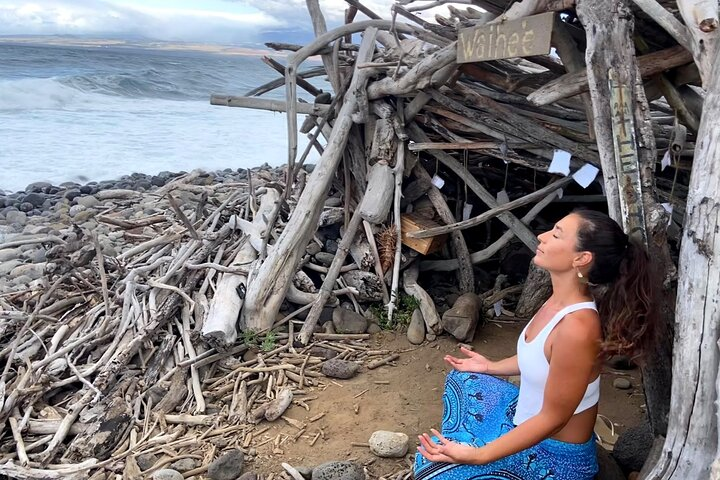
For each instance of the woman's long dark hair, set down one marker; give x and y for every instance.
(624, 284)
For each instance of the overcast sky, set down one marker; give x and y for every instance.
(218, 21)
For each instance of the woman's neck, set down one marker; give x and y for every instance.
(566, 289)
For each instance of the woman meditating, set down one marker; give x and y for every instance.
(544, 430)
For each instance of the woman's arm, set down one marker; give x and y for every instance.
(476, 363)
(574, 352)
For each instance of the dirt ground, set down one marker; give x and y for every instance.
(411, 403)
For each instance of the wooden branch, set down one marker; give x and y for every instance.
(667, 21)
(398, 172)
(280, 82)
(270, 105)
(302, 83)
(320, 27)
(576, 83)
(427, 306)
(497, 245)
(494, 212)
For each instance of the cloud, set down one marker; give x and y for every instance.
(105, 18)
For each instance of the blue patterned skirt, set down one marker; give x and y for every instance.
(478, 409)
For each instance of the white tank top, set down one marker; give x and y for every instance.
(534, 369)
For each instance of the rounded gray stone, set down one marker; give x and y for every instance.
(16, 217)
(347, 321)
(342, 369)
(338, 471)
(167, 474)
(76, 209)
(87, 201)
(389, 444)
(9, 254)
(228, 466)
(622, 383)
(184, 464)
(416, 329)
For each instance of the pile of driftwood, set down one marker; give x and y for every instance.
(103, 358)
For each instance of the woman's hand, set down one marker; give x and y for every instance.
(474, 362)
(448, 451)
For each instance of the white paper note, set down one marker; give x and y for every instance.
(665, 162)
(586, 175)
(498, 307)
(669, 209)
(438, 182)
(467, 210)
(502, 197)
(560, 162)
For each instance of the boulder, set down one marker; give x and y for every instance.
(338, 471)
(389, 444)
(462, 319)
(416, 329)
(343, 369)
(347, 321)
(228, 466)
(633, 447)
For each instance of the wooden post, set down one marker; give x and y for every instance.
(691, 446)
(609, 27)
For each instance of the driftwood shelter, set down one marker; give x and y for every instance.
(477, 119)
(444, 147)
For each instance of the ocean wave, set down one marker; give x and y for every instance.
(42, 94)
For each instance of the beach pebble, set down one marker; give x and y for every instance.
(35, 199)
(167, 474)
(76, 209)
(347, 321)
(38, 187)
(248, 476)
(87, 201)
(16, 217)
(228, 466)
(389, 444)
(32, 270)
(374, 328)
(338, 471)
(26, 207)
(7, 266)
(184, 464)
(324, 258)
(9, 254)
(343, 369)
(146, 460)
(416, 329)
(622, 383)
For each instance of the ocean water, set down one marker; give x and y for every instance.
(83, 114)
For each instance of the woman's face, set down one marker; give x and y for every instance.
(557, 251)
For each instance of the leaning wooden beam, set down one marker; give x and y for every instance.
(576, 83)
(280, 82)
(491, 250)
(494, 212)
(320, 27)
(266, 292)
(302, 83)
(466, 276)
(330, 277)
(265, 104)
(666, 20)
(520, 230)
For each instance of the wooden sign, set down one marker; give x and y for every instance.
(627, 163)
(516, 38)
